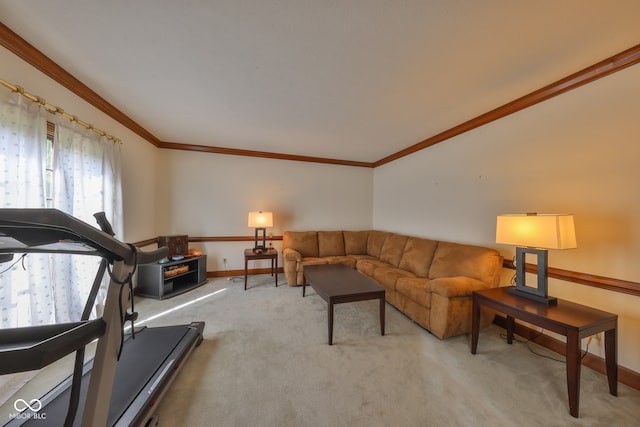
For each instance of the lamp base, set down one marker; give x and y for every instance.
(538, 293)
(534, 297)
(257, 246)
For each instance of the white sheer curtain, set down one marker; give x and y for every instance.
(26, 296)
(43, 289)
(87, 179)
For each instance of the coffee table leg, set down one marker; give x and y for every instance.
(382, 315)
(330, 312)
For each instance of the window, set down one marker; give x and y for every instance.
(48, 173)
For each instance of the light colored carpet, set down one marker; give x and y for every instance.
(265, 361)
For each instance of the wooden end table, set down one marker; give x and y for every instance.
(574, 321)
(269, 253)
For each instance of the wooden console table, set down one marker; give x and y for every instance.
(574, 321)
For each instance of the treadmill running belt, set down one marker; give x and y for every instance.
(141, 358)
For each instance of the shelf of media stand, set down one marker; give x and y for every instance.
(154, 282)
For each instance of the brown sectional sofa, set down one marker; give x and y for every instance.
(430, 281)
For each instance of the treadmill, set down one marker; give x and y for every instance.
(130, 372)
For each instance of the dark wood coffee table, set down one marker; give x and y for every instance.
(337, 284)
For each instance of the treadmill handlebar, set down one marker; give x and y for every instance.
(103, 222)
(141, 257)
(45, 230)
(147, 257)
(52, 231)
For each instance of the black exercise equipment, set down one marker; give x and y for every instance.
(129, 371)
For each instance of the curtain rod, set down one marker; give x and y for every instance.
(57, 110)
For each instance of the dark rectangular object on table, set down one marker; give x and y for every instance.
(178, 244)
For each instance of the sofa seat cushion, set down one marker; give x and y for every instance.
(346, 260)
(368, 265)
(393, 248)
(387, 276)
(330, 243)
(361, 257)
(417, 256)
(310, 261)
(355, 242)
(452, 287)
(415, 289)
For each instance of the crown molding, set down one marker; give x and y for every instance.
(601, 69)
(24, 50)
(263, 154)
(20, 47)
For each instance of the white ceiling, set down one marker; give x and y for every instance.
(352, 79)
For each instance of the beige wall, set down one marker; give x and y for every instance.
(577, 153)
(204, 194)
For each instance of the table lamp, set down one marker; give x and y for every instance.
(534, 234)
(260, 220)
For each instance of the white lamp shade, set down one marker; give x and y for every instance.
(546, 231)
(260, 219)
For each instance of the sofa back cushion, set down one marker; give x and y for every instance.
(355, 242)
(417, 256)
(393, 248)
(453, 259)
(330, 243)
(375, 242)
(305, 242)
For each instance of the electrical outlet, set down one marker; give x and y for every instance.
(599, 337)
(224, 260)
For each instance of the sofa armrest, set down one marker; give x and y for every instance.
(291, 258)
(290, 254)
(458, 286)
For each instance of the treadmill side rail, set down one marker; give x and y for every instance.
(34, 347)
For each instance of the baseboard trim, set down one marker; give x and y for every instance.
(250, 272)
(625, 375)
